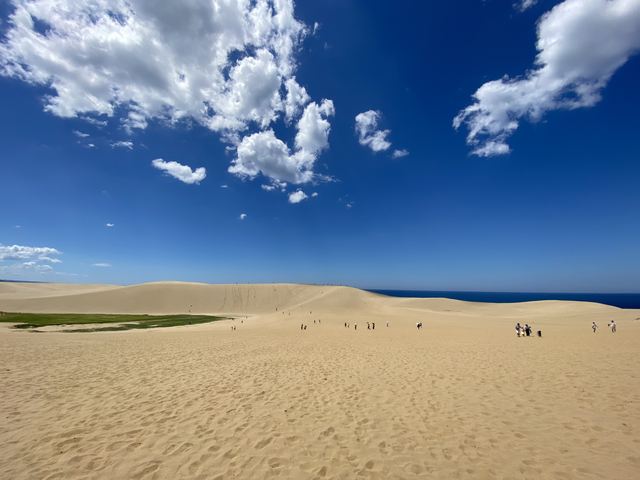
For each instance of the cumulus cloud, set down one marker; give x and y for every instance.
(242, 216)
(297, 97)
(366, 124)
(581, 43)
(264, 153)
(101, 265)
(314, 194)
(275, 185)
(400, 153)
(297, 197)
(181, 172)
(17, 252)
(220, 62)
(121, 144)
(227, 65)
(36, 258)
(110, 224)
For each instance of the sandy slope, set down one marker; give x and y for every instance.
(462, 398)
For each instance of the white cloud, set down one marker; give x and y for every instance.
(224, 186)
(524, 5)
(49, 259)
(313, 128)
(297, 197)
(366, 124)
(80, 134)
(101, 265)
(275, 185)
(110, 224)
(581, 43)
(242, 216)
(181, 172)
(33, 255)
(93, 121)
(219, 62)
(297, 97)
(89, 145)
(314, 194)
(121, 144)
(263, 153)
(17, 252)
(227, 65)
(400, 153)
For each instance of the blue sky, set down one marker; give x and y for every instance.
(487, 146)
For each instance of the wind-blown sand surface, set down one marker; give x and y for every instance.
(461, 398)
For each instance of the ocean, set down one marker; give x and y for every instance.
(620, 300)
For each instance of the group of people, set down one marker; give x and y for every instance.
(612, 325)
(525, 331)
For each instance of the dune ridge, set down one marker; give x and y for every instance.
(462, 398)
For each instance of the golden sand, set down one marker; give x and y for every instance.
(461, 398)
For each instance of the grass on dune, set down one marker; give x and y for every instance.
(131, 322)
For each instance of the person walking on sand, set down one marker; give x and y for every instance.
(387, 323)
(355, 326)
(594, 326)
(518, 328)
(613, 326)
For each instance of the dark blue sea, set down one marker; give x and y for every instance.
(620, 300)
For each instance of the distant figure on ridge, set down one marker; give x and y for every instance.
(355, 326)
(373, 325)
(387, 323)
(594, 326)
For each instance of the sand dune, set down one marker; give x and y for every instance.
(462, 398)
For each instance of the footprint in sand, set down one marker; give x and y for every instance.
(263, 443)
(145, 471)
(193, 468)
(115, 446)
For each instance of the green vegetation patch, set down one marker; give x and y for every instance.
(129, 322)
